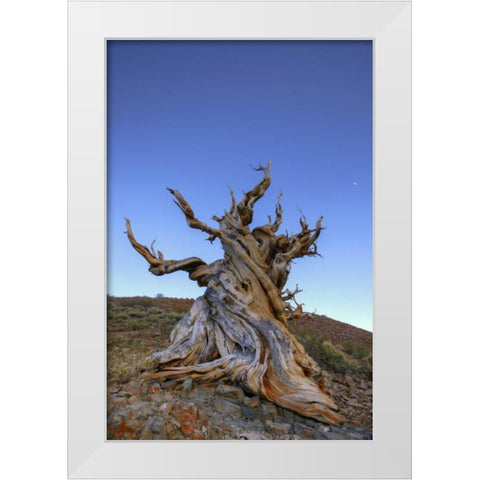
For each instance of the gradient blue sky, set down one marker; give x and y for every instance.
(193, 115)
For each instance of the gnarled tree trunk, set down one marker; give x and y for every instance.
(238, 329)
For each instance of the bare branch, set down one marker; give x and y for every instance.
(245, 207)
(160, 266)
(278, 214)
(234, 202)
(299, 244)
(190, 216)
(142, 249)
(266, 233)
(289, 295)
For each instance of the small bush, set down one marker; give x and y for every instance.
(154, 310)
(325, 353)
(356, 350)
(123, 364)
(136, 312)
(121, 316)
(366, 366)
(137, 324)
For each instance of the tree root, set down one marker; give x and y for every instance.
(260, 355)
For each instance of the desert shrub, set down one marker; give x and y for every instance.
(136, 312)
(333, 357)
(366, 366)
(125, 363)
(356, 350)
(119, 316)
(324, 352)
(154, 310)
(167, 320)
(138, 324)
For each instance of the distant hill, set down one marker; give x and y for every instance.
(177, 305)
(333, 330)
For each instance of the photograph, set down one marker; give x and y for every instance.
(239, 206)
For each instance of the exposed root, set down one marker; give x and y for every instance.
(261, 356)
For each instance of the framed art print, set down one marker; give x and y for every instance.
(280, 132)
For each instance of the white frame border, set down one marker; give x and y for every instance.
(388, 23)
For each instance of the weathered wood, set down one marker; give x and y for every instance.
(239, 329)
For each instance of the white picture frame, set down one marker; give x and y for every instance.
(388, 24)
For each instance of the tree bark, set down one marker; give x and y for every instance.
(238, 330)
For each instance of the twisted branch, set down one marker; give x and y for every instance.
(245, 207)
(159, 266)
(192, 221)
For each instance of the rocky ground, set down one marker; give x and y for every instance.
(142, 409)
(147, 410)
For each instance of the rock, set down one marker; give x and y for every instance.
(165, 409)
(230, 391)
(156, 398)
(228, 407)
(269, 410)
(281, 419)
(310, 422)
(252, 436)
(250, 413)
(159, 428)
(132, 400)
(366, 434)
(353, 436)
(205, 392)
(119, 401)
(278, 428)
(146, 409)
(313, 434)
(155, 429)
(172, 432)
(153, 388)
(287, 414)
(251, 401)
(299, 429)
(136, 409)
(113, 388)
(132, 387)
(334, 436)
(146, 434)
(169, 384)
(187, 386)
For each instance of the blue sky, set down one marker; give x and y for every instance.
(193, 115)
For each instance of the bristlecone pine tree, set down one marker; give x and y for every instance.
(238, 330)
